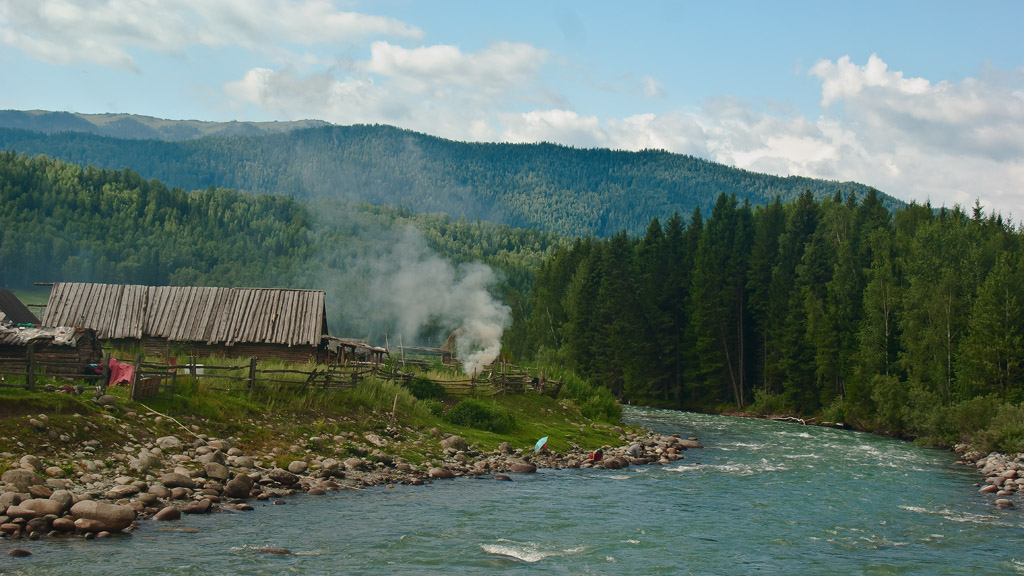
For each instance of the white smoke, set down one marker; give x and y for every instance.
(414, 287)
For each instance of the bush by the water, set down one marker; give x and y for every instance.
(768, 404)
(594, 402)
(481, 415)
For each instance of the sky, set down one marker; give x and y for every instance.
(923, 100)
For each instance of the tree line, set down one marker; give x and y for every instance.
(558, 189)
(908, 322)
(61, 222)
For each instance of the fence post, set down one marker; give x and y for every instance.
(135, 377)
(252, 374)
(30, 375)
(105, 375)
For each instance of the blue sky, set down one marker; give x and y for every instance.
(923, 100)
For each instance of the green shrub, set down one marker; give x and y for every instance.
(968, 417)
(835, 412)
(426, 389)
(768, 404)
(436, 408)
(1005, 432)
(595, 402)
(474, 413)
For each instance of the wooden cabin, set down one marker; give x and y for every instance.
(61, 352)
(267, 323)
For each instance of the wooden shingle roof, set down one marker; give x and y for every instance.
(15, 310)
(191, 313)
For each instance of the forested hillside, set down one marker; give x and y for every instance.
(910, 323)
(133, 126)
(60, 222)
(568, 191)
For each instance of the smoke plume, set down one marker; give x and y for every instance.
(418, 288)
(387, 285)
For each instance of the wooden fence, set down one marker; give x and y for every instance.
(247, 377)
(48, 362)
(156, 378)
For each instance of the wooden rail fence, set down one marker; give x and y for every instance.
(156, 378)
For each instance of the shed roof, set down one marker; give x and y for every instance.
(191, 313)
(60, 336)
(15, 310)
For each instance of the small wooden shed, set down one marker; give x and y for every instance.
(268, 323)
(62, 352)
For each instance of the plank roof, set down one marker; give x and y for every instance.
(191, 313)
(15, 309)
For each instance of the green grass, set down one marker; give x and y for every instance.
(290, 417)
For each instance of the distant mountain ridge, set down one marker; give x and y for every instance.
(135, 127)
(560, 189)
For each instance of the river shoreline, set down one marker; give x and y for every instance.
(111, 489)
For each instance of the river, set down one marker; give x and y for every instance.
(762, 497)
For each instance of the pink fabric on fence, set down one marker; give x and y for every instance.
(121, 372)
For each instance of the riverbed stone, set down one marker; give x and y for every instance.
(169, 443)
(65, 498)
(282, 476)
(167, 513)
(40, 491)
(238, 487)
(440, 473)
(121, 491)
(520, 466)
(298, 467)
(457, 443)
(54, 472)
(30, 462)
(64, 524)
(21, 479)
(216, 471)
(177, 480)
(42, 507)
(96, 516)
(198, 506)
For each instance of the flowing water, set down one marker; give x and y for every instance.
(762, 497)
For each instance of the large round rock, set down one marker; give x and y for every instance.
(97, 516)
(177, 480)
(21, 479)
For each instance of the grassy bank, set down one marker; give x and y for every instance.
(292, 421)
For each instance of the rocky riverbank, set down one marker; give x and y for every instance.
(1003, 474)
(89, 490)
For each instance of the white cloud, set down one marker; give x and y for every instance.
(496, 69)
(948, 143)
(652, 87)
(106, 32)
(437, 89)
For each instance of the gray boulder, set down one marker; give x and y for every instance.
(66, 499)
(177, 480)
(216, 471)
(169, 443)
(283, 476)
(457, 443)
(440, 473)
(21, 479)
(97, 516)
(239, 486)
(29, 462)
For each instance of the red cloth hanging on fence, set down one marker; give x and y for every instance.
(121, 372)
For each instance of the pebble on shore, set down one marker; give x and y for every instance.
(171, 476)
(1003, 475)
